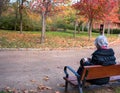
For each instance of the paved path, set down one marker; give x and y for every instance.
(31, 69)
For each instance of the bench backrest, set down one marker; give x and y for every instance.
(98, 71)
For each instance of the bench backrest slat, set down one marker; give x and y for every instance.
(98, 71)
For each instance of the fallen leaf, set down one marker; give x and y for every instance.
(59, 67)
(25, 91)
(15, 91)
(57, 92)
(43, 87)
(33, 81)
(8, 89)
(49, 88)
(109, 89)
(61, 85)
(46, 78)
(32, 91)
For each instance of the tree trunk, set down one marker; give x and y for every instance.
(90, 29)
(83, 26)
(79, 25)
(108, 32)
(16, 16)
(21, 18)
(79, 28)
(21, 22)
(43, 27)
(104, 29)
(74, 35)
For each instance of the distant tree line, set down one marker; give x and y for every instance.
(56, 15)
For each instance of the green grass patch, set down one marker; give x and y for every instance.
(4, 92)
(117, 90)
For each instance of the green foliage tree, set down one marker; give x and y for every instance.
(63, 20)
(8, 21)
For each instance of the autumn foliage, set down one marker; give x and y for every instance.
(113, 16)
(44, 7)
(94, 10)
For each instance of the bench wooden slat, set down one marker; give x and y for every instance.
(99, 71)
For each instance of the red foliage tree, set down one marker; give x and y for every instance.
(94, 10)
(112, 17)
(45, 7)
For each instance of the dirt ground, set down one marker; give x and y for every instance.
(40, 71)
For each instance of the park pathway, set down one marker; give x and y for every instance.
(41, 71)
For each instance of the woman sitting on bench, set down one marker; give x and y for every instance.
(102, 56)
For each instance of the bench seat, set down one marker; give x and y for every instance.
(73, 80)
(91, 72)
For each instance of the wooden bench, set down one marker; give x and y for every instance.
(91, 72)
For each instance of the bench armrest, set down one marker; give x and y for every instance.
(72, 70)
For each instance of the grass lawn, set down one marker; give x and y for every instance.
(59, 40)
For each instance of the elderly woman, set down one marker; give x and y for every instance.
(102, 56)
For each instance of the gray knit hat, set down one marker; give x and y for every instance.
(101, 41)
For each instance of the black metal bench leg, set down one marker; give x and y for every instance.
(80, 86)
(66, 86)
(80, 90)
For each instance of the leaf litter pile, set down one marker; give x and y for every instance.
(39, 89)
(32, 40)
